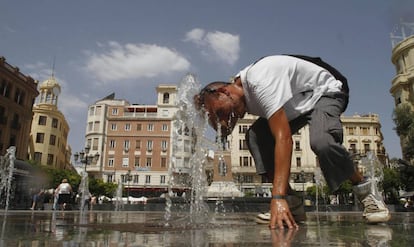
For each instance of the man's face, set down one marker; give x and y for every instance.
(220, 113)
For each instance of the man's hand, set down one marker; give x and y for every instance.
(280, 213)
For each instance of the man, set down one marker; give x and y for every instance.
(288, 92)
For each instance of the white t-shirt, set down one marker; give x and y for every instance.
(64, 188)
(285, 81)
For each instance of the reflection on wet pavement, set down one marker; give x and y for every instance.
(137, 228)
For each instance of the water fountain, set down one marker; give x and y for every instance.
(118, 197)
(188, 132)
(6, 175)
(84, 192)
(373, 170)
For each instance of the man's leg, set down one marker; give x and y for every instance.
(326, 136)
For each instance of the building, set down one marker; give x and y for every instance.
(402, 87)
(50, 130)
(96, 133)
(17, 95)
(133, 141)
(362, 133)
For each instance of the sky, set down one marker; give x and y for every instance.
(98, 47)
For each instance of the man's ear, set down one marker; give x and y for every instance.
(223, 90)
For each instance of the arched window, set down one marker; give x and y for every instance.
(166, 98)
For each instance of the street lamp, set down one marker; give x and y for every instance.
(129, 178)
(84, 157)
(302, 179)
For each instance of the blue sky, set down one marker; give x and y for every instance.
(129, 47)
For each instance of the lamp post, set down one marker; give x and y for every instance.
(129, 178)
(302, 179)
(84, 157)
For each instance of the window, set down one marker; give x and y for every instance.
(135, 179)
(186, 146)
(90, 126)
(50, 158)
(243, 129)
(112, 144)
(164, 127)
(125, 162)
(164, 145)
(98, 110)
(297, 146)
(150, 127)
(40, 137)
(52, 140)
(248, 179)
(111, 162)
(162, 179)
(137, 161)
(42, 120)
(366, 147)
(245, 161)
(147, 179)
(96, 126)
(113, 126)
(127, 127)
(243, 145)
(139, 127)
(115, 111)
(109, 178)
(166, 98)
(91, 111)
(5, 89)
(148, 163)
(138, 144)
(298, 162)
(352, 148)
(37, 156)
(149, 145)
(351, 130)
(365, 131)
(126, 145)
(95, 143)
(163, 162)
(55, 122)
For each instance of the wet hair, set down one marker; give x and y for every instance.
(208, 90)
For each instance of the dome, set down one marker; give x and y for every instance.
(49, 83)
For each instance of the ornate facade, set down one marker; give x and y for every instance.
(17, 94)
(49, 132)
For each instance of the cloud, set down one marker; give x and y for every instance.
(223, 46)
(134, 61)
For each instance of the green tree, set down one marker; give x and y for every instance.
(391, 184)
(403, 117)
(98, 187)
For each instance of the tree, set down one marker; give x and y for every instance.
(98, 187)
(391, 184)
(403, 117)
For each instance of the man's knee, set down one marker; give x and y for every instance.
(320, 145)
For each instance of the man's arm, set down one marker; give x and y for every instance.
(279, 126)
(279, 208)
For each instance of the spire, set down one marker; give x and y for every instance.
(53, 66)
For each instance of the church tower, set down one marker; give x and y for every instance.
(49, 133)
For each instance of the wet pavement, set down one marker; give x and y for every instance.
(139, 228)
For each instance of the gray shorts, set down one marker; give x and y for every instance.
(326, 137)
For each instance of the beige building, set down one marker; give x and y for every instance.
(49, 132)
(402, 88)
(362, 133)
(17, 94)
(133, 141)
